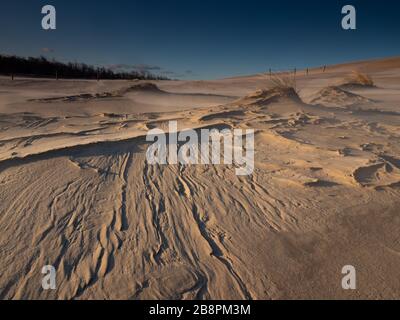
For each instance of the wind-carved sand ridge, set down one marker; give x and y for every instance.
(76, 191)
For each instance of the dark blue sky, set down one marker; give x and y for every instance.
(202, 38)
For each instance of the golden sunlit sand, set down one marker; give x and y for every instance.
(76, 191)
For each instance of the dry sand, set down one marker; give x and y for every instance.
(77, 193)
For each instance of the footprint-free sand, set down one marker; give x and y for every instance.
(76, 191)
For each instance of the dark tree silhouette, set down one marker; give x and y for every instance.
(44, 68)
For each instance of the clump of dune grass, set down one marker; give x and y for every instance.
(282, 81)
(357, 78)
(278, 85)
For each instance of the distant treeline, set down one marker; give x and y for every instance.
(44, 68)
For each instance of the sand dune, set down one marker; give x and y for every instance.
(77, 192)
(337, 97)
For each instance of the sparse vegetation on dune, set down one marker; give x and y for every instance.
(282, 81)
(277, 86)
(357, 78)
(282, 84)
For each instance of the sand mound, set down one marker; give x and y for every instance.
(263, 97)
(335, 96)
(141, 87)
(144, 87)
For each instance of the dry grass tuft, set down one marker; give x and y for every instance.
(361, 79)
(282, 81)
